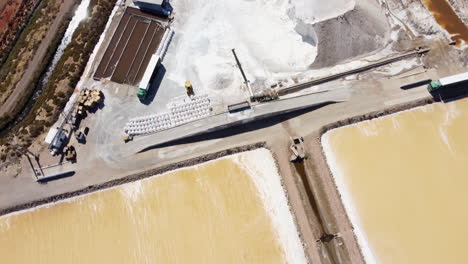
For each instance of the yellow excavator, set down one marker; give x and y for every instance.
(189, 88)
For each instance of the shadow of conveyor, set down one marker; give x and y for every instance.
(239, 129)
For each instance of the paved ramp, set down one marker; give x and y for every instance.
(225, 120)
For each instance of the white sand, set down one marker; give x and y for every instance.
(262, 168)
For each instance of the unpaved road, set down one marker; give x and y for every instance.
(38, 60)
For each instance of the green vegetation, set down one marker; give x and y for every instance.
(4, 120)
(68, 72)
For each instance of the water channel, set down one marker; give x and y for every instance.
(449, 20)
(81, 13)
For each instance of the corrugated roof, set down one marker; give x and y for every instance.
(454, 78)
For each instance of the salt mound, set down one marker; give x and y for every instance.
(359, 32)
(313, 11)
(274, 39)
(261, 31)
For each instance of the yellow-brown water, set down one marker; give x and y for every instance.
(449, 20)
(208, 214)
(404, 183)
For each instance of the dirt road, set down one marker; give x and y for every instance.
(38, 60)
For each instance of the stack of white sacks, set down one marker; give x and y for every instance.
(198, 107)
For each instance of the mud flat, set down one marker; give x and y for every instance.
(401, 180)
(229, 210)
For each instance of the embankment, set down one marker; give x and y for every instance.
(14, 16)
(30, 55)
(334, 216)
(64, 78)
(132, 178)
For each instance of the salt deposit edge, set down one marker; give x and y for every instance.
(346, 199)
(263, 170)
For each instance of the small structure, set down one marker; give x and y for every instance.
(56, 139)
(239, 107)
(297, 150)
(160, 7)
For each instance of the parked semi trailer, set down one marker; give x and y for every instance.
(451, 86)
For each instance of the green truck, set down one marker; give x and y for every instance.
(450, 86)
(145, 82)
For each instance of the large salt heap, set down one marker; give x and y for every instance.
(275, 39)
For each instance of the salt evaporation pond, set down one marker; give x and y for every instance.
(403, 180)
(232, 210)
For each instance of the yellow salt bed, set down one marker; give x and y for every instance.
(210, 213)
(403, 179)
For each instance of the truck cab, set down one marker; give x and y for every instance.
(142, 93)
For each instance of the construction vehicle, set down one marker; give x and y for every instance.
(297, 149)
(70, 154)
(189, 89)
(451, 86)
(80, 136)
(127, 138)
(265, 96)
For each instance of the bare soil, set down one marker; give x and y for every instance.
(8, 9)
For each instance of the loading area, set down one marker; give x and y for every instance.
(135, 40)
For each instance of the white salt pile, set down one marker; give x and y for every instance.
(313, 11)
(263, 32)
